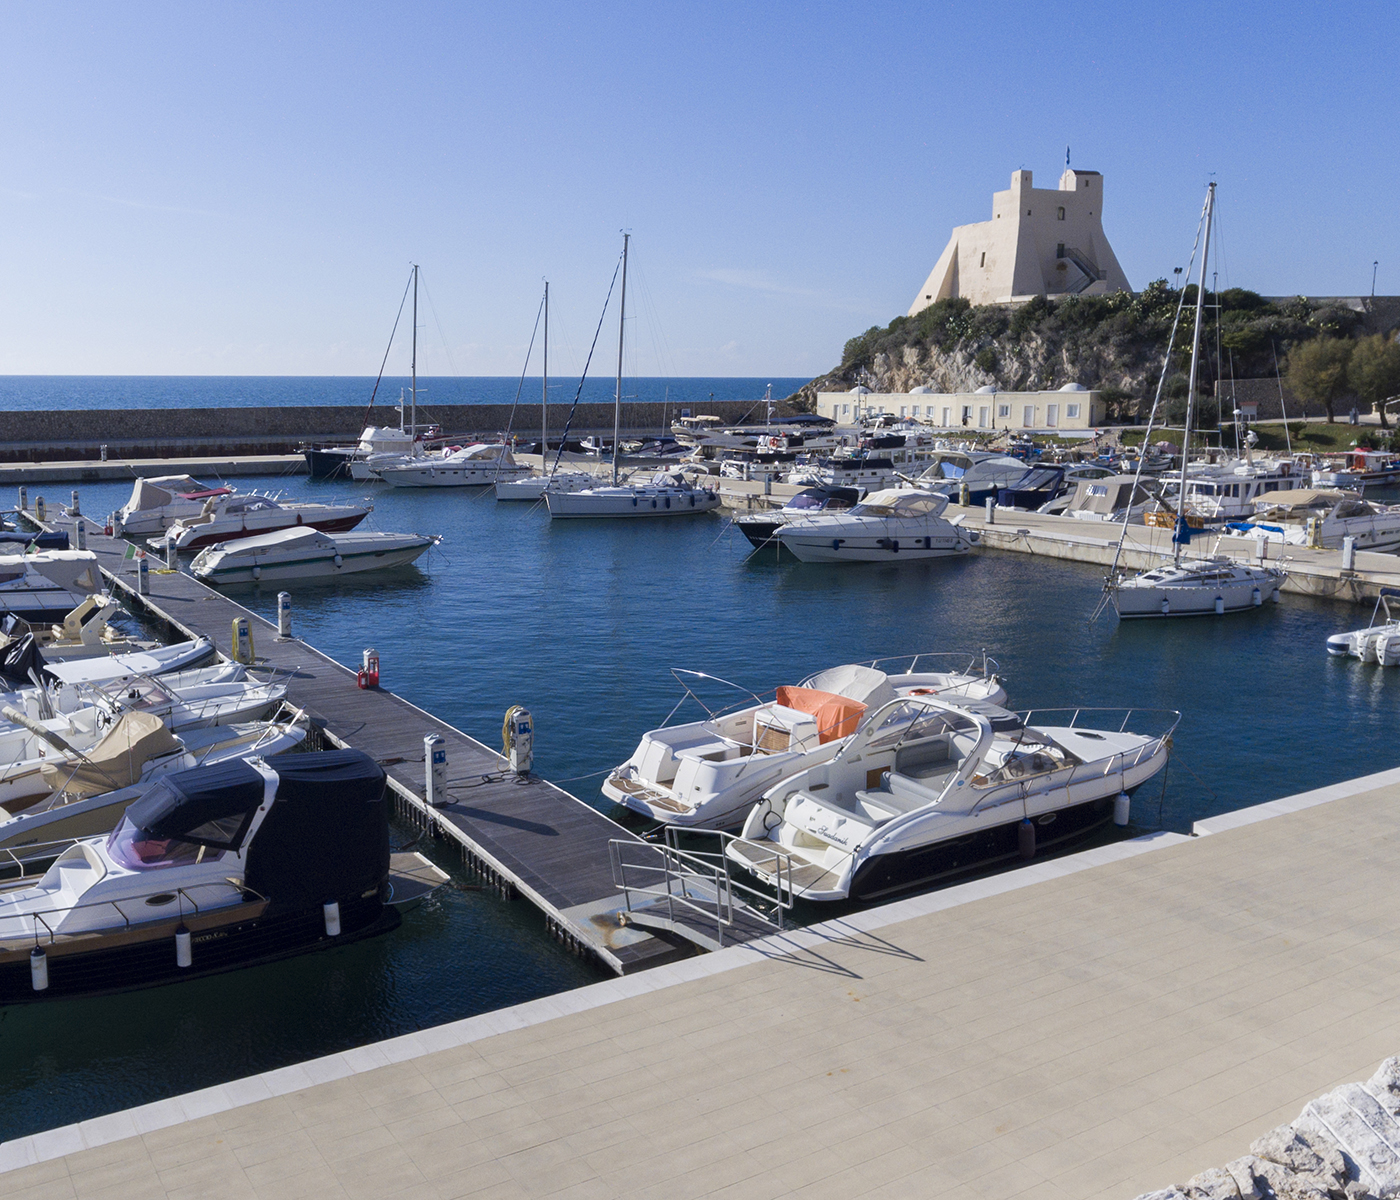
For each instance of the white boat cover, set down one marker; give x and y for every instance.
(866, 684)
(298, 535)
(75, 570)
(161, 490)
(159, 661)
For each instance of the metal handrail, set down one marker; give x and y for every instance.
(720, 859)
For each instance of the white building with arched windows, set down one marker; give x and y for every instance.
(1039, 242)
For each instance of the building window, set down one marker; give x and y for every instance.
(903, 410)
(1028, 416)
(847, 413)
(915, 410)
(1071, 411)
(1003, 410)
(983, 263)
(1060, 250)
(1061, 212)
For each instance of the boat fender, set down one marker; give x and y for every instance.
(1166, 606)
(337, 560)
(1025, 838)
(1122, 805)
(38, 970)
(836, 543)
(1219, 605)
(184, 950)
(298, 518)
(331, 912)
(1256, 597)
(257, 571)
(1275, 596)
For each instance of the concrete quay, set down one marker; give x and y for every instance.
(207, 467)
(1092, 1026)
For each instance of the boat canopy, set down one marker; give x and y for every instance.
(160, 490)
(300, 536)
(209, 806)
(836, 716)
(1107, 496)
(866, 684)
(901, 502)
(117, 760)
(19, 657)
(1303, 498)
(75, 570)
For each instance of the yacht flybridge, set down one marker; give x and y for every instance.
(709, 773)
(478, 465)
(929, 788)
(894, 525)
(215, 868)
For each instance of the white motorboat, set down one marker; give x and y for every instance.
(233, 517)
(709, 773)
(307, 554)
(159, 660)
(927, 789)
(1378, 643)
(478, 465)
(1189, 587)
(535, 487)
(335, 462)
(219, 867)
(1358, 468)
(894, 525)
(1115, 498)
(83, 633)
(158, 502)
(1322, 518)
(669, 494)
(48, 584)
(88, 800)
(759, 527)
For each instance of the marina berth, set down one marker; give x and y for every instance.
(307, 554)
(470, 466)
(709, 773)
(83, 633)
(669, 494)
(215, 868)
(46, 585)
(887, 526)
(929, 788)
(158, 502)
(232, 517)
(1322, 518)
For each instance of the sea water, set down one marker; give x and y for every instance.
(582, 622)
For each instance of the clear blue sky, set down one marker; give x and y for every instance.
(220, 188)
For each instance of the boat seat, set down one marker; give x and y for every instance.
(714, 751)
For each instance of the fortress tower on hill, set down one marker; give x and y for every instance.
(1039, 242)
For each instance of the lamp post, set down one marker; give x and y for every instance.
(1374, 267)
(1177, 272)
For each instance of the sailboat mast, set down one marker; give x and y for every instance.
(544, 387)
(621, 324)
(1195, 362)
(413, 362)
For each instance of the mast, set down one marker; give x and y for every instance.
(617, 395)
(544, 389)
(1181, 535)
(413, 362)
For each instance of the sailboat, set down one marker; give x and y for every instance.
(535, 487)
(1196, 586)
(668, 494)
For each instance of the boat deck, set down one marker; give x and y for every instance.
(523, 834)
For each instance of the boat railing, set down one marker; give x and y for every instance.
(183, 893)
(977, 663)
(695, 882)
(1170, 717)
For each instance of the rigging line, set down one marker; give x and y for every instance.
(568, 424)
(1283, 409)
(433, 307)
(510, 423)
(1156, 401)
(402, 300)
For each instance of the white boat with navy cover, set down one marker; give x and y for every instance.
(307, 554)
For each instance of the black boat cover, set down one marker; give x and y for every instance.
(209, 806)
(53, 539)
(19, 658)
(327, 836)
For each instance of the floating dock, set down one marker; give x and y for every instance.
(523, 835)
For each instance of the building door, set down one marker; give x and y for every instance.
(1028, 416)
(983, 415)
(1052, 415)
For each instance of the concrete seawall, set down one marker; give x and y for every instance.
(46, 435)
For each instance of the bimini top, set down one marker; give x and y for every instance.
(161, 490)
(901, 502)
(300, 536)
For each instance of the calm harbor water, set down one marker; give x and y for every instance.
(580, 622)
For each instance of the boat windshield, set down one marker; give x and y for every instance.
(910, 722)
(140, 850)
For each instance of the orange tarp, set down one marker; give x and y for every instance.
(837, 716)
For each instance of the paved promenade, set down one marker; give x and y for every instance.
(1095, 1026)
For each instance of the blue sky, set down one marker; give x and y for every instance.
(239, 188)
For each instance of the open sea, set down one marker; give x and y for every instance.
(581, 621)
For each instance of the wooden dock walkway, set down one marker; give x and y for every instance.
(523, 834)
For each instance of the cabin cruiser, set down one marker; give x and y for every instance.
(216, 868)
(708, 773)
(929, 788)
(334, 462)
(248, 516)
(48, 584)
(869, 470)
(1038, 486)
(1231, 490)
(1322, 518)
(83, 633)
(158, 502)
(307, 554)
(897, 524)
(669, 494)
(1196, 587)
(478, 465)
(534, 487)
(1357, 468)
(759, 527)
(983, 475)
(1116, 498)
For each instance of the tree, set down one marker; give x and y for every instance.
(1317, 370)
(1374, 372)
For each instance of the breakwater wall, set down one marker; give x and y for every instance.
(47, 435)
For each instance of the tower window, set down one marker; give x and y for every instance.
(1061, 212)
(1060, 250)
(1028, 212)
(983, 263)
(1086, 183)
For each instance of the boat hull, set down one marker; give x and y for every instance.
(318, 567)
(813, 547)
(328, 464)
(585, 504)
(449, 476)
(1135, 603)
(342, 524)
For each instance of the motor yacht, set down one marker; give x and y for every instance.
(708, 773)
(759, 527)
(233, 517)
(1322, 518)
(48, 584)
(217, 868)
(983, 475)
(534, 487)
(1358, 468)
(335, 462)
(868, 470)
(478, 465)
(669, 494)
(929, 788)
(1036, 487)
(307, 554)
(158, 502)
(888, 526)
